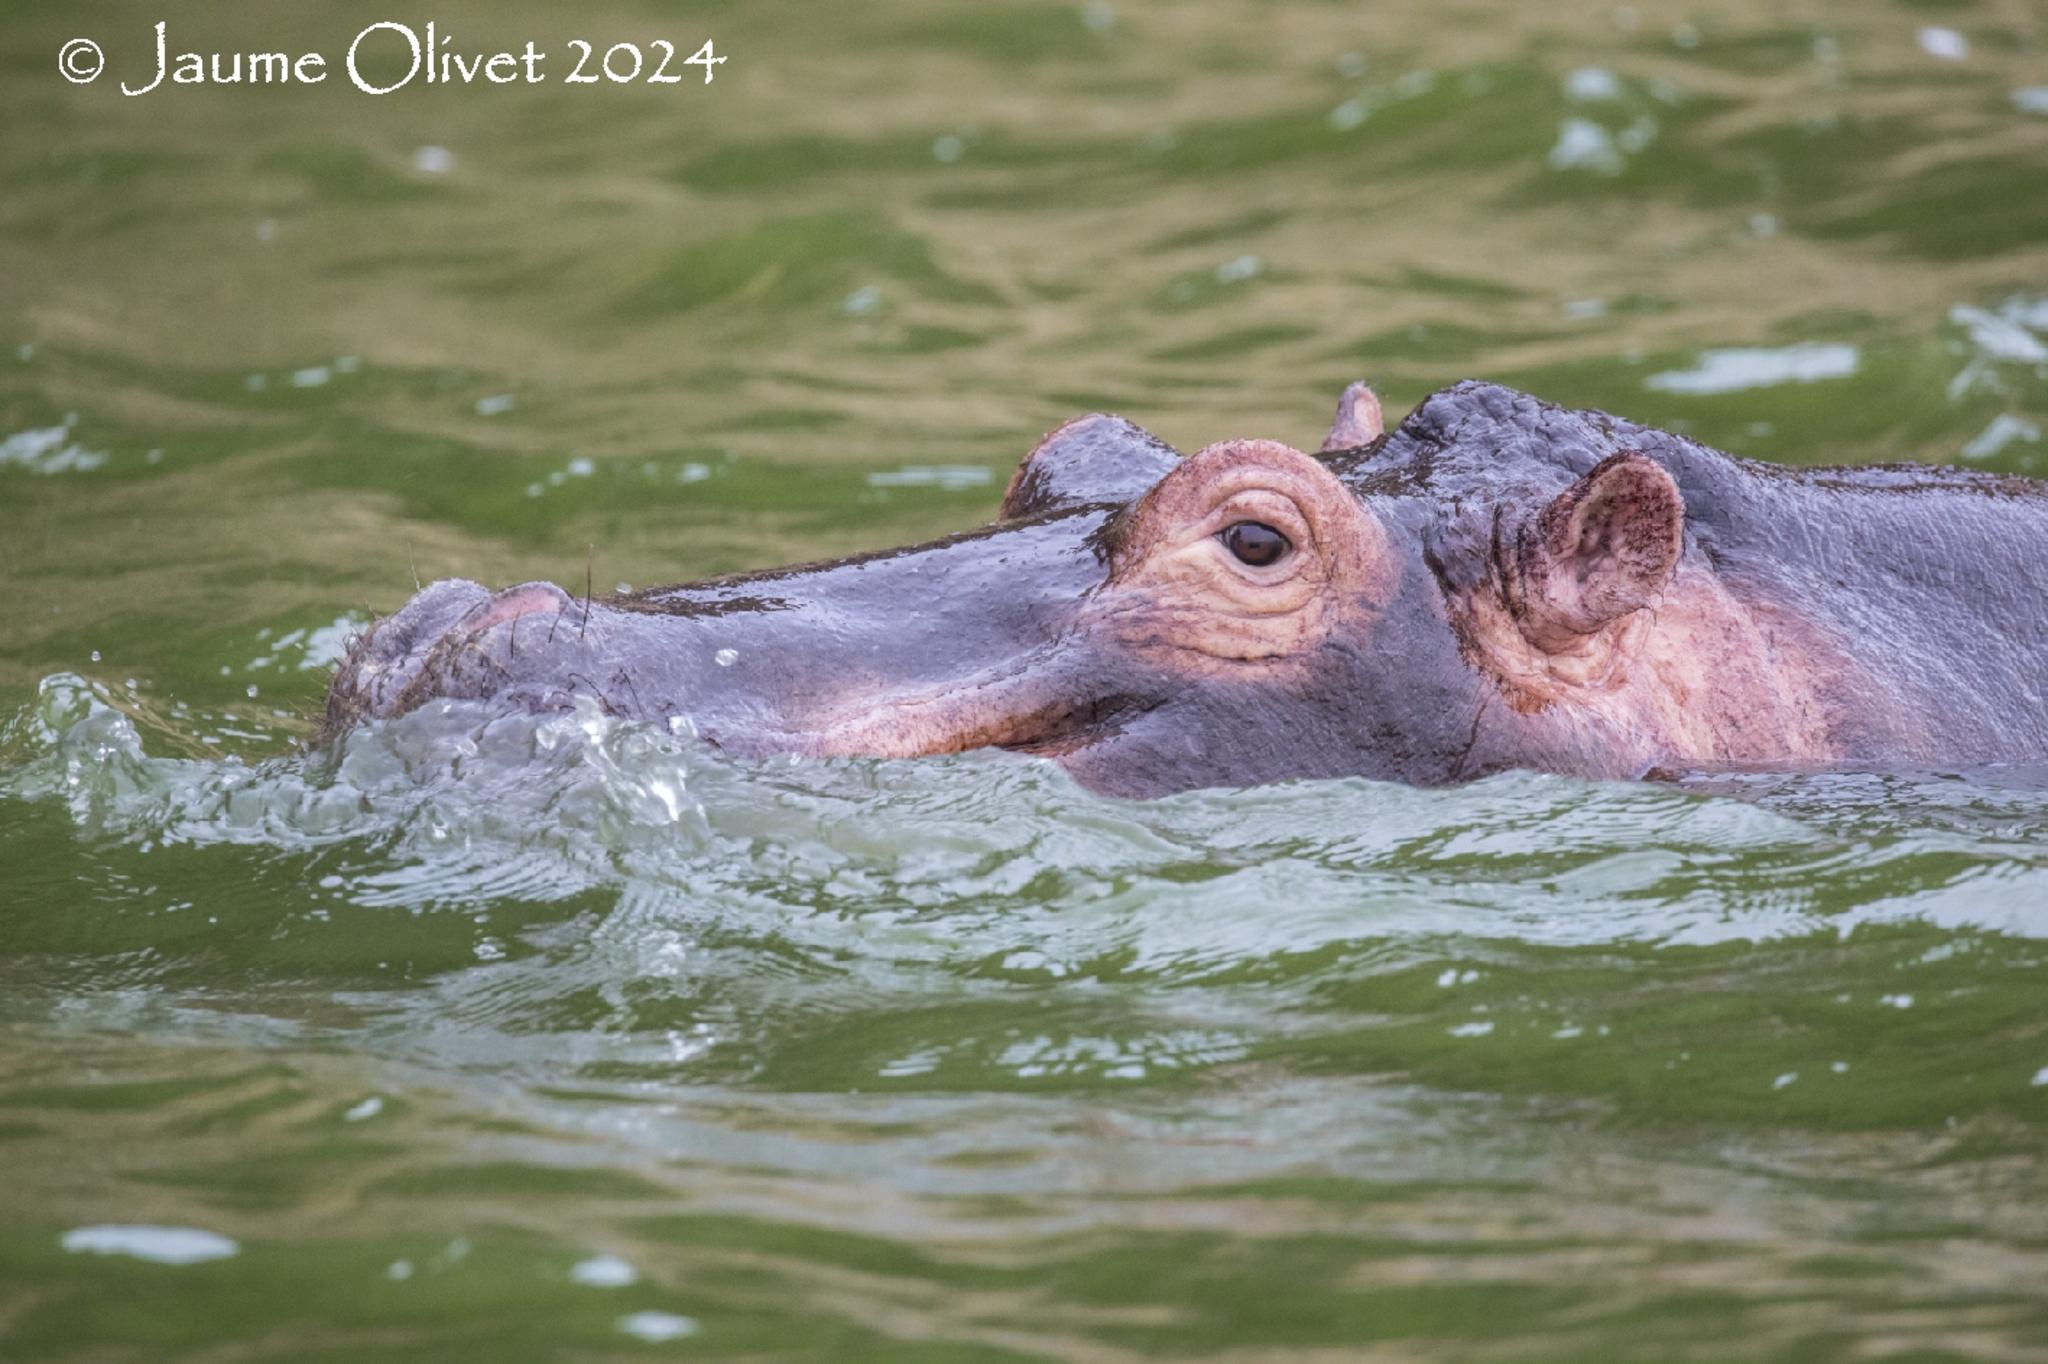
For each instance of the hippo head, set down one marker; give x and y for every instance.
(1394, 607)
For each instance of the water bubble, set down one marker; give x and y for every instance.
(725, 658)
(1787, 1078)
(433, 160)
(948, 148)
(862, 302)
(367, 1109)
(495, 405)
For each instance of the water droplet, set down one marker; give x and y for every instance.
(725, 658)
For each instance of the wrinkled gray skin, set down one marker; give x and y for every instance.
(1921, 595)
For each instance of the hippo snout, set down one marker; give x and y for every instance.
(451, 631)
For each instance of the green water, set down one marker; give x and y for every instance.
(496, 1038)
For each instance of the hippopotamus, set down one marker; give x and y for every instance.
(1497, 583)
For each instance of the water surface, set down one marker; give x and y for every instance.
(561, 1039)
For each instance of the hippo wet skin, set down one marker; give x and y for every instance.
(1498, 583)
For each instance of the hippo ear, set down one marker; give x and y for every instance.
(1359, 420)
(1091, 459)
(1604, 547)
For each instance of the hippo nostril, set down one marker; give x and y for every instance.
(528, 599)
(425, 618)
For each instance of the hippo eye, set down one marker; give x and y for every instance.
(1256, 543)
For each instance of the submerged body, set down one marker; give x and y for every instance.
(1497, 583)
